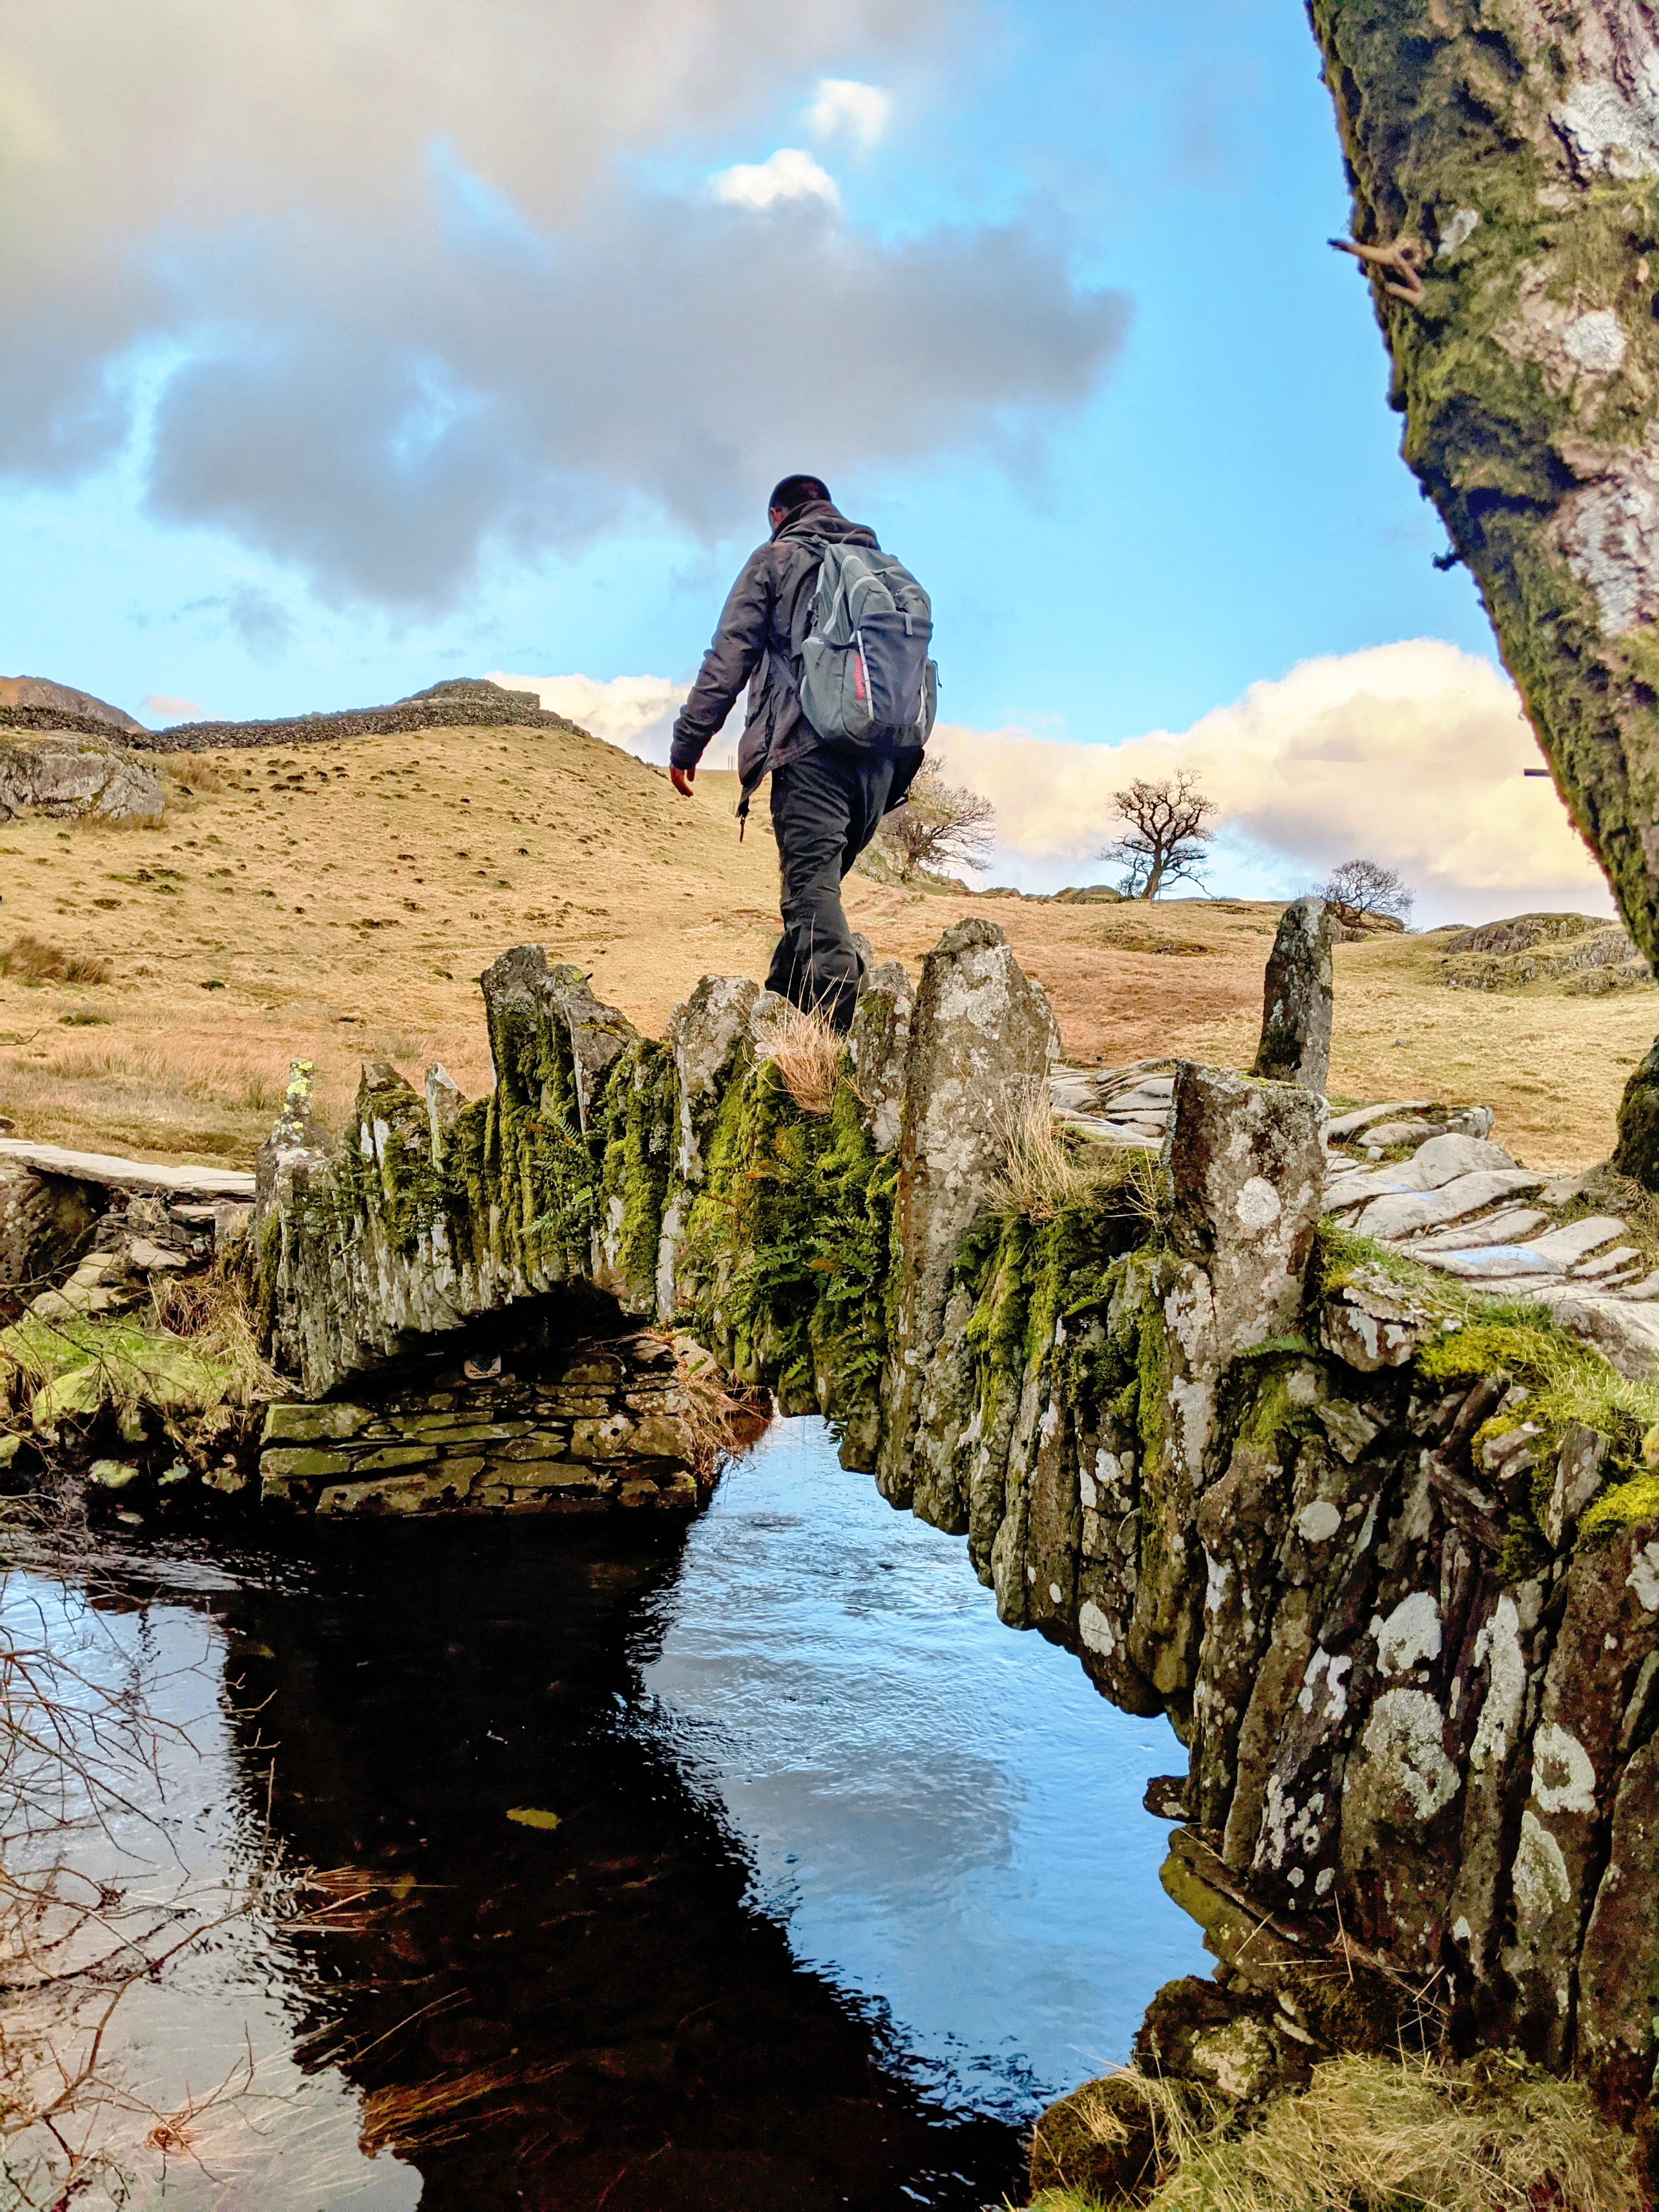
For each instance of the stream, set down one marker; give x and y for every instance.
(521, 1865)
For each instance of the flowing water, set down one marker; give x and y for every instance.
(754, 1867)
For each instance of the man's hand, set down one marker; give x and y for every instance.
(681, 778)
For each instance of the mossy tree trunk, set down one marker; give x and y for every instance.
(1504, 158)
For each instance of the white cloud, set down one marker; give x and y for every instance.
(635, 713)
(303, 231)
(843, 106)
(162, 708)
(1410, 753)
(789, 174)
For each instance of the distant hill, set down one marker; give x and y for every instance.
(39, 693)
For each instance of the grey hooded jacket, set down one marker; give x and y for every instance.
(758, 643)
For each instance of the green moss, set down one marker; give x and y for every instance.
(76, 1367)
(1623, 1507)
(1152, 1374)
(787, 1253)
(636, 1125)
(1566, 1382)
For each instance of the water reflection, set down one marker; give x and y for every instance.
(756, 1869)
(945, 1815)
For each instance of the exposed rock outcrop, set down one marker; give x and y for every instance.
(69, 773)
(469, 702)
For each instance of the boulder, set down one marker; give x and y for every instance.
(44, 1219)
(1636, 1152)
(705, 1034)
(1618, 1970)
(1296, 999)
(880, 1048)
(66, 772)
(1102, 2144)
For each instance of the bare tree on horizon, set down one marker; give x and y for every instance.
(1361, 887)
(940, 823)
(1168, 835)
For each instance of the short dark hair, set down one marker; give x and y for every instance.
(795, 491)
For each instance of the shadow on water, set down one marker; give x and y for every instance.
(594, 2012)
(751, 1867)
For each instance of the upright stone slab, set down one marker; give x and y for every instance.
(981, 1041)
(1296, 999)
(1247, 1168)
(880, 1050)
(705, 1032)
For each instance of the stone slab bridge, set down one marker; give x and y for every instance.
(1394, 1582)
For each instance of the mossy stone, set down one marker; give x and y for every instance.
(1636, 1152)
(311, 1425)
(1101, 2141)
(297, 1464)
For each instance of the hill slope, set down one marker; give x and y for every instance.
(335, 900)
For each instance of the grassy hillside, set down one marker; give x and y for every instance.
(335, 901)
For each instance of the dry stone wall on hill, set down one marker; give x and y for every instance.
(1390, 1566)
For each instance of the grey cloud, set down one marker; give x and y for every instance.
(375, 383)
(379, 419)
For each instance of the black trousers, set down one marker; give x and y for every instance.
(826, 807)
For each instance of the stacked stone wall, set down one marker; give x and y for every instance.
(1401, 1610)
(576, 1429)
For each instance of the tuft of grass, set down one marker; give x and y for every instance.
(31, 960)
(211, 1313)
(194, 772)
(806, 1050)
(1376, 2135)
(1566, 1382)
(1366, 2135)
(1047, 1172)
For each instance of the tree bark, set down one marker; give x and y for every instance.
(1509, 151)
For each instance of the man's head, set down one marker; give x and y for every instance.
(791, 493)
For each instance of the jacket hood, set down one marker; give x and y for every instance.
(817, 518)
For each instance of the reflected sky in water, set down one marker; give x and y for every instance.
(945, 1813)
(843, 1879)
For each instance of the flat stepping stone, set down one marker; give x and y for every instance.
(1383, 1135)
(1561, 1247)
(1490, 1263)
(1512, 1225)
(1626, 1331)
(1348, 1125)
(1101, 1132)
(1605, 1263)
(129, 1174)
(1400, 1213)
(1441, 1159)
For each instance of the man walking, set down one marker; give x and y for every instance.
(829, 792)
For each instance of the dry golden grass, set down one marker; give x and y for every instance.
(1375, 2134)
(335, 901)
(31, 962)
(1045, 1172)
(806, 1050)
(211, 1312)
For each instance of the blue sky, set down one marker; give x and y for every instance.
(1122, 533)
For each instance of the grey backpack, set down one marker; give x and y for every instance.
(866, 676)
